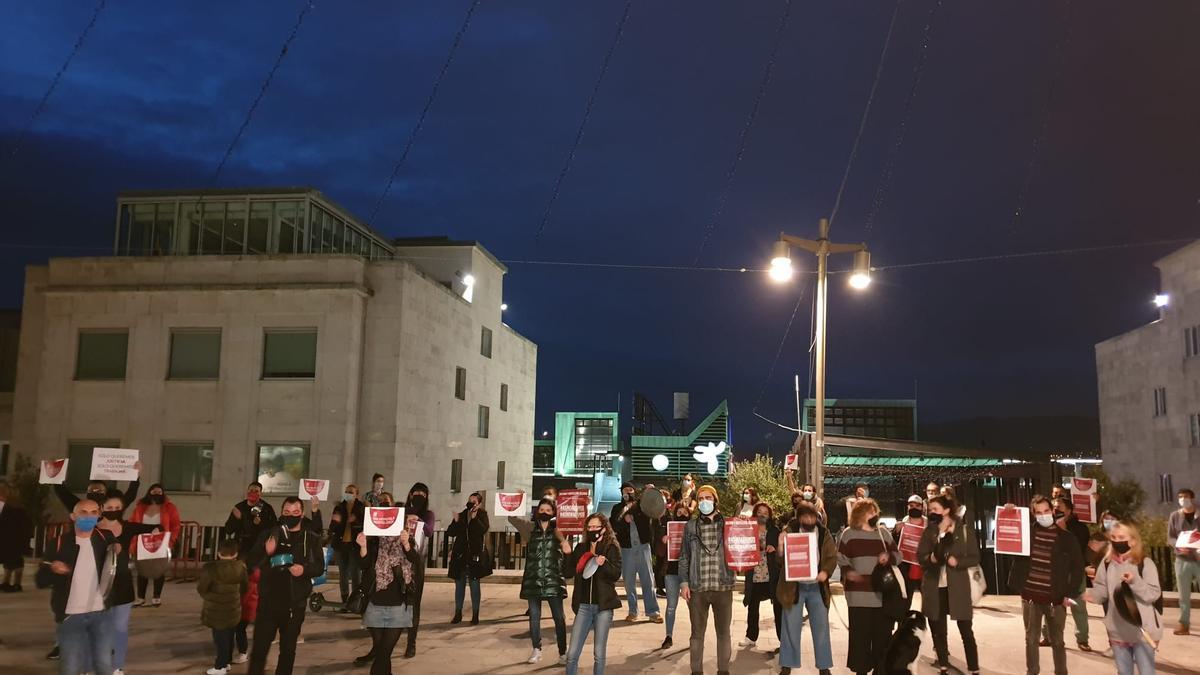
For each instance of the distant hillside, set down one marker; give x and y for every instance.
(1043, 434)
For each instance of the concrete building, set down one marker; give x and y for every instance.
(306, 345)
(1149, 385)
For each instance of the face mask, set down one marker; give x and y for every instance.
(807, 527)
(874, 521)
(1059, 516)
(544, 517)
(1108, 523)
(470, 504)
(1121, 547)
(157, 499)
(111, 515)
(1185, 503)
(627, 496)
(385, 503)
(289, 521)
(745, 496)
(808, 496)
(762, 520)
(347, 497)
(97, 497)
(1045, 520)
(914, 513)
(935, 518)
(252, 497)
(418, 502)
(86, 523)
(866, 493)
(594, 535)
(707, 506)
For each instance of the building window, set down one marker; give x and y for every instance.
(187, 467)
(101, 355)
(1160, 401)
(460, 384)
(281, 466)
(485, 342)
(500, 475)
(1191, 342)
(1166, 488)
(456, 475)
(484, 421)
(195, 355)
(504, 397)
(1194, 426)
(290, 353)
(79, 462)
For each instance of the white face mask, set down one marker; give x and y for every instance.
(707, 506)
(1185, 503)
(1045, 519)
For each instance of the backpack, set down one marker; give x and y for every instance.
(1158, 602)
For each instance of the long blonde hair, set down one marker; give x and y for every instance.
(1137, 552)
(858, 513)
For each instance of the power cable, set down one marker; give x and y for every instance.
(412, 137)
(731, 172)
(587, 114)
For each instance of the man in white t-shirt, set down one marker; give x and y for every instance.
(76, 573)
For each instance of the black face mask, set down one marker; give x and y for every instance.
(111, 515)
(157, 499)
(289, 521)
(544, 517)
(935, 518)
(874, 521)
(681, 516)
(805, 527)
(914, 513)
(1059, 516)
(595, 535)
(97, 497)
(762, 520)
(418, 503)
(1121, 547)
(470, 505)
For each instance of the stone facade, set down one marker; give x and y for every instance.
(1138, 439)
(390, 335)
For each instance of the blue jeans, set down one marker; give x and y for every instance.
(673, 581)
(84, 637)
(560, 622)
(120, 615)
(1126, 657)
(1186, 571)
(587, 618)
(223, 641)
(636, 562)
(793, 627)
(460, 589)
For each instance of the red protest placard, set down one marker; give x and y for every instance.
(1012, 530)
(572, 510)
(1084, 506)
(675, 538)
(1085, 486)
(151, 546)
(800, 555)
(910, 539)
(792, 462)
(741, 544)
(384, 521)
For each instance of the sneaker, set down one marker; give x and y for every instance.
(562, 659)
(216, 671)
(52, 655)
(119, 671)
(1084, 647)
(155, 602)
(747, 643)
(241, 658)
(631, 618)
(535, 657)
(1182, 629)
(300, 640)
(667, 643)
(364, 659)
(656, 618)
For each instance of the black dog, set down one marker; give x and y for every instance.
(906, 644)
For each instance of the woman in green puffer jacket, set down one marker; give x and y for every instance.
(543, 579)
(222, 584)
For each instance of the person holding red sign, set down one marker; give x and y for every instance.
(761, 581)
(1187, 560)
(595, 564)
(706, 580)
(681, 515)
(396, 567)
(912, 524)
(543, 578)
(946, 552)
(120, 599)
(795, 597)
(158, 510)
(863, 546)
(1064, 517)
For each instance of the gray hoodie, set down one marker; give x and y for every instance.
(1145, 588)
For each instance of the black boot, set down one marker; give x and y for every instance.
(365, 658)
(457, 617)
(474, 617)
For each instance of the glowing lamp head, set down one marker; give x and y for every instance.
(781, 262)
(1162, 300)
(504, 307)
(861, 277)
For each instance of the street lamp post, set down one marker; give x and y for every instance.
(781, 270)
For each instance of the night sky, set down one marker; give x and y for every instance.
(1105, 91)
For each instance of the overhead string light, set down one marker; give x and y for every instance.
(889, 164)
(412, 136)
(587, 115)
(743, 137)
(62, 70)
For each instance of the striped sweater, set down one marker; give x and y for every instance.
(1037, 584)
(858, 551)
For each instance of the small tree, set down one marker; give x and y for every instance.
(31, 494)
(762, 474)
(1124, 498)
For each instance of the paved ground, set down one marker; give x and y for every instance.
(170, 640)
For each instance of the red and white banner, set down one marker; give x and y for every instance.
(741, 544)
(511, 504)
(384, 521)
(910, 539)
(1085, 507)
(801, 556)
(1084, 486)
(151, 546)
(572, 511)
(1189, 540)
(675, 538)
(791, 462)
(54, 471)
(114, 464)
(1012, 530)
(314, 487)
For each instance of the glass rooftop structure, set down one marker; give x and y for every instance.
(266, 221)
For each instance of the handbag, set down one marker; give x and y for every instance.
(978, 584)
(889, 582)
(481, 564)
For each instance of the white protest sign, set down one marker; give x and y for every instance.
(1188, 539)
(114, 464)
(54, 471)
(150, 546)
(792, 462)
(384, 521)
(510, 504)
(314, 487)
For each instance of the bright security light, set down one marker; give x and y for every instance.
(504, 307)
(781, 262)
(861, 278)
(468, 280)
(1162, 300)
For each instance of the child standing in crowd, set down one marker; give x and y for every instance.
(249, 607)
(222, 584)
(1128, 588)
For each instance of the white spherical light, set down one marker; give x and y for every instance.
(660, 462)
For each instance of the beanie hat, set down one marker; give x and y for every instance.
(915, 500)
(707, 488)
